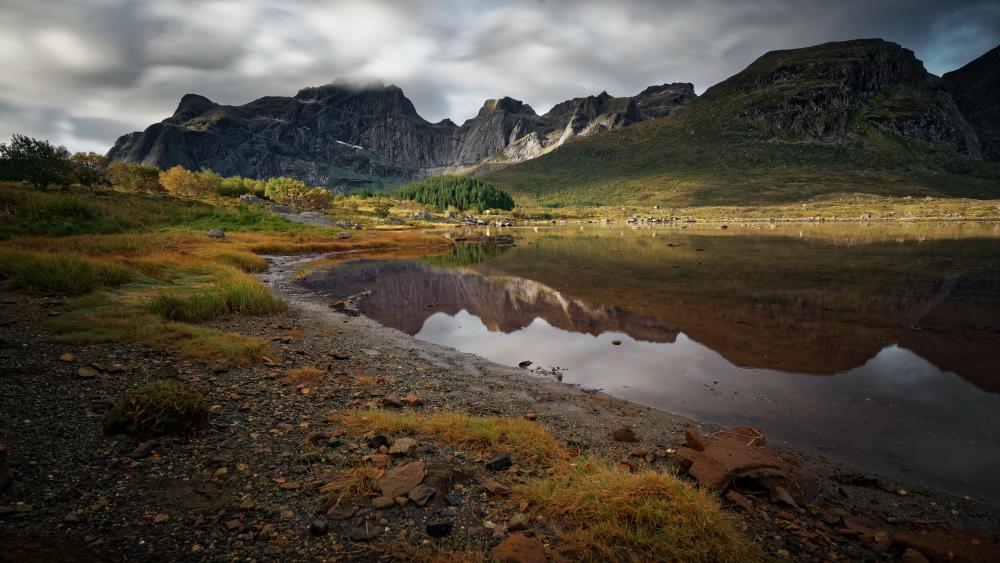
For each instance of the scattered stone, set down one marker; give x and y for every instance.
(401, 501)
(143, 449)
(220, 472)
(340, 513)
(367, 533)
(161, 518)
(319, 527)
(624, 434)
(496, 487)
(290, 486)
(377, 440)
(88, 372)
(392, 401)
(740, 500)
(421, 494)
(216, 233)
(616, 342)
(233, 524)
(440, 528)
(67, 357)
(399, 480)
(378, 460)
(500, 462)
(531, 416)
(381, 503)
(518, 522)
(413, 400)
(403, 447)
(524, 364)
(519, 548)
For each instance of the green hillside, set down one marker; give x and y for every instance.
(858, 116)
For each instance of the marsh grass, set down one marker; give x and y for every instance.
(63, 274)
(600, 512)
(351, 482)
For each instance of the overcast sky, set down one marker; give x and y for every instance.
(81, 73)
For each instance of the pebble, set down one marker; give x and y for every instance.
(440, 528)
(500, 462)
(319, 527)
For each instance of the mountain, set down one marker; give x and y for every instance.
(976, 89)
(341, 135)
(852, 116)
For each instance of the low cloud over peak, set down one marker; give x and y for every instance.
(82, 73)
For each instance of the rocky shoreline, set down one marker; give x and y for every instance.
(253, 484)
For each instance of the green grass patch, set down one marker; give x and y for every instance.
(60, 273)
(233, 293)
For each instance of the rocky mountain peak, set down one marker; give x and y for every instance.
(507, 104)
(976, 89)
(192, 105)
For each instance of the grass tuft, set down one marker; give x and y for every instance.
(606, 513)
(360, 480)
(157, 409)
(527, 439)
(60, 273)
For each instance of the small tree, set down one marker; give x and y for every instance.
(36, 161)
(89, 169)
(179, 180)
(382, 207)
(283, 190)
(209, 183)
(131, 177)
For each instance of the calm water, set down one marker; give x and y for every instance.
(876, 345)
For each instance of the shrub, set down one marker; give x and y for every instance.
(60, 273)
(382, 207)
(157, 409)
(235, 186)
(179, 180)
(461, 192)
(295, 193)
(89, 169)
(131, 177)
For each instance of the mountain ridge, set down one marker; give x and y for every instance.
(341, 135)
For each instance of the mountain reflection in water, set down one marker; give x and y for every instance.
(733, 330)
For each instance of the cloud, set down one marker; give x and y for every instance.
(82, 72)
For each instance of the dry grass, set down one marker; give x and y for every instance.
(304, 376)
(529, 440)
(600, 512)
(352, 482)
(365, 381)
(605, 513)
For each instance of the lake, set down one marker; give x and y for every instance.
(873, 344)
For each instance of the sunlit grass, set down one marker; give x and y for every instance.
(599, 512)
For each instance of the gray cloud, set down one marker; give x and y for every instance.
(82, 72)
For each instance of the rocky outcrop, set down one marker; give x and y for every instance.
(341, 135)
(976, 89)
(825, 92)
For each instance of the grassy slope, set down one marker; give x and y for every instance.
(711, 153)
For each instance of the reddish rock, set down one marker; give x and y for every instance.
(383, 502)
(695, 440)
(399, 480)
(518, 548)
(6, 477)
(913, 556)
(685, 457)
(740, 500)
(413, 400)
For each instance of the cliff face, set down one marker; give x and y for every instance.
(976, 89)
(340, 135)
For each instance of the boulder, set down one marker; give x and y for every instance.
(217, 234)
(624, 434)
(718, 460)
(399, 480)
